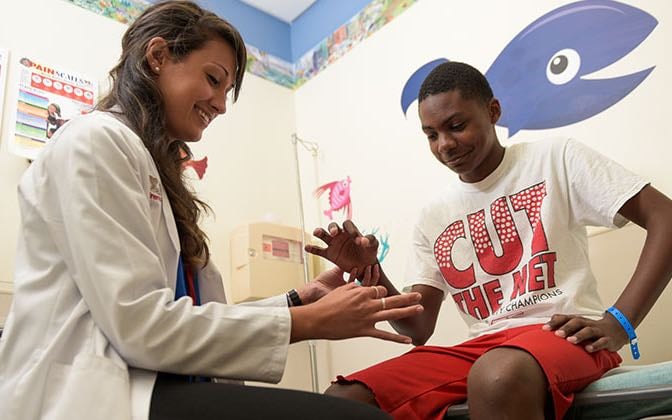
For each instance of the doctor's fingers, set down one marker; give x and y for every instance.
(352, 276)
(377, 292)
(388, 336)
(374, 276)
(397, 313)
(369, 277)
(397, 307)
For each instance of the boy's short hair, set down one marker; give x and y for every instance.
(454, 75)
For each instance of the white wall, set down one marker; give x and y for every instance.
(353, 110)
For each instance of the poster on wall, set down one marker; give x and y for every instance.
(4, 54)
(47, 98)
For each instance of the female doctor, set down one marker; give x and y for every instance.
(118, 312)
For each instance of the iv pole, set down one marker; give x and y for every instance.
(313, 148)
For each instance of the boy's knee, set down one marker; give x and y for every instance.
(505, 375)
(352, 391)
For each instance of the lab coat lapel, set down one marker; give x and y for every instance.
(169, 220)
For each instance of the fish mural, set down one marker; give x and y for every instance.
(199, 166)
(543, 76)
(339, 197)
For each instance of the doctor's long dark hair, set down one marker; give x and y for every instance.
(136, 96)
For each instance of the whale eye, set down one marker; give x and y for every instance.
(563, 66)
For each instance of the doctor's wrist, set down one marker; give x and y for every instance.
(293, 298)
(308, 293)
(305, 323)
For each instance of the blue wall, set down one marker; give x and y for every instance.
(319, 21)
(288, 42)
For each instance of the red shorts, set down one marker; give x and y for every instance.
(424, 382)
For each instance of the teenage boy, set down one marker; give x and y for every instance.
(508, 244)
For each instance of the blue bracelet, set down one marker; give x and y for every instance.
(627, 326)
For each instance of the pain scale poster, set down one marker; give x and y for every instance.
(47, 98)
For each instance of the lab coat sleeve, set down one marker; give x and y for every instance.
(97, 208)
(273, 301)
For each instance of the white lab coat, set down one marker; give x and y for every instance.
(94, 316)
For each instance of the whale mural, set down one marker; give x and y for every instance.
(543, 76)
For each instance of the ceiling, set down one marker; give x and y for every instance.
(286, 10)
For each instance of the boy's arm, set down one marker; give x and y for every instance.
(421, 326)
(651, 210)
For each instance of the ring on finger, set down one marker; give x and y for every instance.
(383, 301)
(377, 292)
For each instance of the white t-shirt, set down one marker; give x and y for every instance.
(512, 249)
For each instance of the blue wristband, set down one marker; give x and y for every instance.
(627, 326)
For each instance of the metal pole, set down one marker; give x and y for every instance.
(312, 348)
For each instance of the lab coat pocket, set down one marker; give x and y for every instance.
(93, 387)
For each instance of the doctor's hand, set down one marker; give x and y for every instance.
(330, 279)
(606, 333)
(353, 311)
(347, 248)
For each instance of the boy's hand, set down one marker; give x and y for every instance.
(347, 247)
(595, 335)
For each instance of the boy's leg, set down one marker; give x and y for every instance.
(506, 383)
(355, 391)
(531, 366)
(420, 384)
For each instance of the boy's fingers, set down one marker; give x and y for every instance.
(373, 242)
(333, 228)
(322, 235)
(350, 227)
(571, 327)
(315, 250)
(585, 333)
(556, 322)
